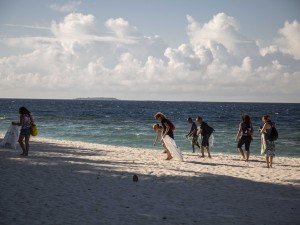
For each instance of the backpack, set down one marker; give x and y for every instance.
(273, 136)
(206, 129)
(247, 129)
(172, 126)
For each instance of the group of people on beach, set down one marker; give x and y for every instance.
(245, 134)
(200, 128)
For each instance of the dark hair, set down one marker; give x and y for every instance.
(199, 118)
(23, 110)
(266, 117)
(246, 118)
(189, 119)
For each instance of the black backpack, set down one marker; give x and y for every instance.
(247, 129)
(273, 136)
(206, 129)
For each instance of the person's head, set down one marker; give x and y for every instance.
(189, 120)
(265, 118)
(156, 126)
(246, 118)
(159, 116)
(198, 119)
(23, 110)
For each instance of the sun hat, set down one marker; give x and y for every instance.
(159, 114)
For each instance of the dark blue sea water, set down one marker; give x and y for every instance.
(129, 123)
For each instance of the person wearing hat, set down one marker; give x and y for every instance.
(193, 134)
(166, 129)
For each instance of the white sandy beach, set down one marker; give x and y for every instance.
(74, 183)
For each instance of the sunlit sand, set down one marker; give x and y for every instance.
(64, 182)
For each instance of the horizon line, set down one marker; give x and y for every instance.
(149, 100)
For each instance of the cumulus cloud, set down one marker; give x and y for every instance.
(289, 40)
(66, 8)
(218, 63)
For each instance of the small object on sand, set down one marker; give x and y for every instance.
(135, 178)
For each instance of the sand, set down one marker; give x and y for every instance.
(74, 183)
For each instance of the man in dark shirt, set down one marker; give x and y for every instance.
(193, 134)
(205, 131)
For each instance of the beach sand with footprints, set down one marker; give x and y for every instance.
(67, 182)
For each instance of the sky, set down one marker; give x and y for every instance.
(176, 50)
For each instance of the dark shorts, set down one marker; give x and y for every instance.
(25, 131)
(205, 140)
(195, 141)
(245, 140)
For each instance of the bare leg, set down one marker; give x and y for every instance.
(207, 149)
(168, 155)
(271, 161)
(21, 138)
(267, 160)
(247, 155)
(27, 137)
(165, 148)
(193, 147)
(202, 151)
(242, 153)
(198, 146)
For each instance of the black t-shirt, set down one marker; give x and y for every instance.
(193, 130)
(206, 130)
(247, 128)
(170, 132)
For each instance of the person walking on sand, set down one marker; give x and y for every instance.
(205, 131)
(166, 129)
(25, 122)
(244, 136)
(269, 144)
(158, 133)
(193, 134)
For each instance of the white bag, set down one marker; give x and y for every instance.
(211, 140)
(11, 137)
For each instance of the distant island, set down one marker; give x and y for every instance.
(97, 98)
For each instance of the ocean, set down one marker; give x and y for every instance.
(129, 123)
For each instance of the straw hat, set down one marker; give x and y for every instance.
(159, 114)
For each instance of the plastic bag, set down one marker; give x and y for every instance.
(34, 130)
(211, 140)
(10, 139)
(263, 144)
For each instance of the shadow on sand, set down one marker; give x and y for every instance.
(63, 188)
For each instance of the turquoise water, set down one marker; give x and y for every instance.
(129, 123)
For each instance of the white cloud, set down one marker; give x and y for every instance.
(66, 8)
(218, 63)
(289, 41)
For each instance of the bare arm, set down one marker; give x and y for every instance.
(191, 132)
(265, 126)
(238, 134)
(18, 123)
(156, 137)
